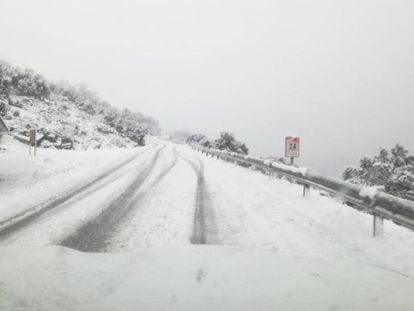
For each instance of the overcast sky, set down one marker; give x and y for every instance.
(340, 74)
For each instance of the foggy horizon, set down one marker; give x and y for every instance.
(207, 155)
(339, 75)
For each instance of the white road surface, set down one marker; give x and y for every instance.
(164, 227)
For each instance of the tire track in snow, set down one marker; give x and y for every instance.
(204, 228)
(21, 220)
(95, 235)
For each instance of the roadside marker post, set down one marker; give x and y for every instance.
(306, 191)
(32, 141)
(292, 151)
(377, 221)
(378, 226)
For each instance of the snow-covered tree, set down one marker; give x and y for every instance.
(393, 171)
(29, 83)
(180, 136)
(228, 142)
(199, 139)
(130, 124)
(6, 74)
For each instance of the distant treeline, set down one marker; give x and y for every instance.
(226, 142)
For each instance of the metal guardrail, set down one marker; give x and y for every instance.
(380, 205)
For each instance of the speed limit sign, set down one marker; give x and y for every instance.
(292, 147)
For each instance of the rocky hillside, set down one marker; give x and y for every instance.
(66, 116)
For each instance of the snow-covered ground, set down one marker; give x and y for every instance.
(26, 181)
(60, 116)
(177, 230)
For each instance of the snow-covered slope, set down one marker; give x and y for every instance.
(66, 116)
(61, 117)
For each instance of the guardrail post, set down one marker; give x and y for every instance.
(306, 191)
(378, 226)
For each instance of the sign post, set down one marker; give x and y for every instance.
(292, 148)
(32, 141)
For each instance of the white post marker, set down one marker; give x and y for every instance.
(32, 141)
(306, 190)
(292, 148)
(378, 226)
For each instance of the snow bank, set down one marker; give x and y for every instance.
(368, 192)
(26, 181)
(192, 278)
(289, 168)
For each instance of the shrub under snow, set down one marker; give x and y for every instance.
(392, 170)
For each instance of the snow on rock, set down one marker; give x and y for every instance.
(369, 192)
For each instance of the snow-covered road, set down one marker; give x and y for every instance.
(168, 200)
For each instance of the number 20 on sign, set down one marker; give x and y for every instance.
(292, 147)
